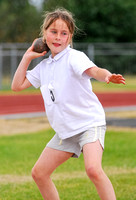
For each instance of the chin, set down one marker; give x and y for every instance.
(56, 52)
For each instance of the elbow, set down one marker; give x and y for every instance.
(14, 88)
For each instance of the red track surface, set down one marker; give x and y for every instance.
(11, 104)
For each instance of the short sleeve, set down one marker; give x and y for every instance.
(80, 62)
(34, 76)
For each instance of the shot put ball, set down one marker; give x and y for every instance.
(40, 46)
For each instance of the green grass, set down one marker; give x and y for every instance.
(18, 153)
(111, 87)
(97, 87)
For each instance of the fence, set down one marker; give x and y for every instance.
(118, 58)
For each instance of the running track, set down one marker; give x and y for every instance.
(14, 104)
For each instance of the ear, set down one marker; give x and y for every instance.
(70, 38)
(44, 35)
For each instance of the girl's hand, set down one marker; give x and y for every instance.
(31, 54)
(115, 78)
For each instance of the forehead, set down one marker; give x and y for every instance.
(59, 24)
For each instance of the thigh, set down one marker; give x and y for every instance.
(50, 159)
(92, 154)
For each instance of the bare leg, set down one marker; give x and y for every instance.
(92, 157)
(49, 160)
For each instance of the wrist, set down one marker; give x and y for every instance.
(107, 78)
(26, 58)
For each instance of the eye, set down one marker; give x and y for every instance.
(64, 33)
(54, 32)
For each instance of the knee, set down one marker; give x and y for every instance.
(94, 173)
(37, 175)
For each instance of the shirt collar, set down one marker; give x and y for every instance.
(59, 55)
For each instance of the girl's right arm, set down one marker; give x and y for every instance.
(20, 82)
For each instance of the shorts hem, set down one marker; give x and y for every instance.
(75, 154)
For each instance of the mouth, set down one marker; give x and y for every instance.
(56, 44)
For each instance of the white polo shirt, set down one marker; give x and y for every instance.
(71, 106)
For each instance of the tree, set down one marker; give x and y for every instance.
(20, 21)
(101, 20)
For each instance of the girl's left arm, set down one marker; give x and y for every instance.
(104, 75)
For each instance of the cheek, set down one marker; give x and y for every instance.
(49, 39)
(48, 36)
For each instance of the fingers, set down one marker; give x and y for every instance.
(116, 78)
(43, 53)
(39, 54)
(34, 40)
(120, 79)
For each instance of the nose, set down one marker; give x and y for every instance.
(58, 36)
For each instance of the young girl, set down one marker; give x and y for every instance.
(73, 110)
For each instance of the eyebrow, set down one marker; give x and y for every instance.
(52, 29)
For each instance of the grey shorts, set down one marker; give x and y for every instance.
(75, 143)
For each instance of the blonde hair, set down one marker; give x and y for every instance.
(59, 13)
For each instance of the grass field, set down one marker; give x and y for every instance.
(97, 87)
(18, 153)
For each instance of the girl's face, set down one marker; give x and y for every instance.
(57, 36)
